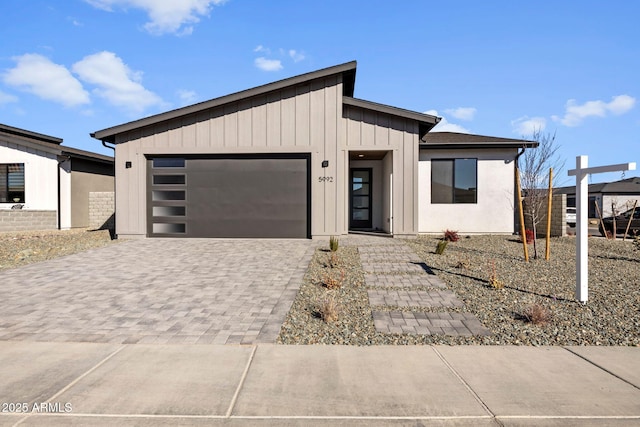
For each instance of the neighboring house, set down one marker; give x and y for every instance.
(302, 157)
(622, 194)
(44, 185)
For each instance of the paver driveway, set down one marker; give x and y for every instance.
(157, 291)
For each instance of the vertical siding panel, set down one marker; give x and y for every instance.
(317, 142)
(382, 130)
(203, 134)
(368, 131)
(231, 125)
(189, 133)
(244, 123)
(216, 127)
(274, 121)
(175, 133)
(259, 122)
(396, 136)
(288, 117)
(160, 135)
(331, 148)
(354, 126)
(302, 115)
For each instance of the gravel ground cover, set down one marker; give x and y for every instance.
(26, 247)
(611, 317)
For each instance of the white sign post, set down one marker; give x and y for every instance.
(582, 226)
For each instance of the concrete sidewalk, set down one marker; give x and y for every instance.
(274, 385)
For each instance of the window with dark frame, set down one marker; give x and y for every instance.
(454, 181)
(12, 183)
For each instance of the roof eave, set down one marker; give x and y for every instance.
(465, 145)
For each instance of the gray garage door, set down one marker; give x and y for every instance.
(238, 196)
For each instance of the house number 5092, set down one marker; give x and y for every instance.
(325, 179)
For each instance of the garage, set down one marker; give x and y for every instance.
(231, 196)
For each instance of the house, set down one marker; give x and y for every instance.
(302, 157)
(44, 185)
(619, 194)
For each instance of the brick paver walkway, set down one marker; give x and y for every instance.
(396, 277)
(399, 322)
(204, 291)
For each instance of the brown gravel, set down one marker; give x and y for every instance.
(611, 316)
(26, 247)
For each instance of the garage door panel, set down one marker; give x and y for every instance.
(237, 197)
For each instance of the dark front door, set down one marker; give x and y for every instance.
(360, 198)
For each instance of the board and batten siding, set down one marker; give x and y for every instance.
(368, 130)
(297, 119)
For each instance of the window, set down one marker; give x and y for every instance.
(454, 181)
(12, 183)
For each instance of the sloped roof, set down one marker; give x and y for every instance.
(51, 144)
(466, 140)
(348, 71)
(624, 186)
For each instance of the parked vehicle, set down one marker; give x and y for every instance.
(571, 217)
(621, 223)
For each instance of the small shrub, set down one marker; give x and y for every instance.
(333, 243)
(441, 246)
(493, 277)
(463, 264)
(329, 310)
(530, 236)
(537, 314)
(331, 282)
(334, 260)
(451, 236)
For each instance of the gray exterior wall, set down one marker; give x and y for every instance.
(87, 177)
(307, 118)
(300, 119)
(367, 130)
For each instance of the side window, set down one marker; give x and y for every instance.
(12, 183)
(454, 181)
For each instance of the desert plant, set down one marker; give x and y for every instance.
(536, 314)
(493, 277)
(329, 309)
(441, 246)
(332, 282)
(451, 236)
(334, 260)
(333, 243)
(530, 235)
(463, 264)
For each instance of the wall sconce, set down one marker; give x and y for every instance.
(325, 163)
(127, 165)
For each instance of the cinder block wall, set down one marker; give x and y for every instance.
(101, 210)
(24, 220)
(558, 217)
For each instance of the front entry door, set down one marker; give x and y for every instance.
(360, 198)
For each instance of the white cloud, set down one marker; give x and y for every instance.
(526, 125)
(262, 49)
(115, 82)
(39, 75)
(575, 113)
(268, 64)
(5, 98)
(296, 56)
(187, 97)
(166, 16)
(462, 113)
(444, 125)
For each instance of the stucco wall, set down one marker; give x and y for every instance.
(494, 210)
(86, 178)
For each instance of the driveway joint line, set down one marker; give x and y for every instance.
(241, 383)
(601, 367)
(466, 385)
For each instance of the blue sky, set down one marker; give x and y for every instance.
(501, 68)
